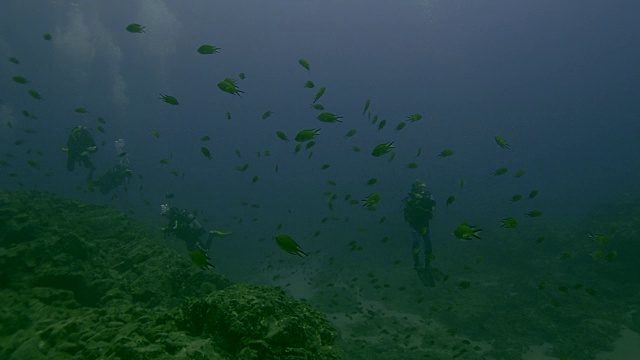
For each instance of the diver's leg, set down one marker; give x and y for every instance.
(71, 161)
(204, 245)
(428, 254)
(415, 248)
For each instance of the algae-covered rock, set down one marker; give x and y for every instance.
(260, 322)
(97, 253)
(89, 282)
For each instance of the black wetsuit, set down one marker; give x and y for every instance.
(80, 145)
(114, 177)
(184, 226)
(418, 211)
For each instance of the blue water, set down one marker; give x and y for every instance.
(558, 80)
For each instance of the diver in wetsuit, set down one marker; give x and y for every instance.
(118, 175)
(418, 212)
(80, 147)
(184, 225)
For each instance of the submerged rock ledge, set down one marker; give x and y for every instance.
(86, 281)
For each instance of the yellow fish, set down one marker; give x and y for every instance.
(286, 243)
(200, 259)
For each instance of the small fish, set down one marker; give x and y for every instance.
(461, 184)
(412, 165)
(306, 135)
(266, 114)
(591, 291)
(534, 213)
(164, 161)
(328, 117)
(155, 133)
(14, 60)
(242, 168)
(540, 239)
(532, 194)
(208, 49)
(254, 179)
(28, 115)
(356, 149)
(169, 99)
(309, 84)
(599, 238)
(372, 199)
(381, 124)
(465, 231)
(414, 117)
(319, 107)
(464, 284)
(100, 128)
(309, 145)
(20, 79)
(515, 198)
(228, 115)
(499, 171)
(502, 142)
(135, 28)
(34, 94)
(509, 223)
(446, 153)
(597, 254)
(34, 164)
(366, 106)
(319, 94)
(324, 166)
(200, 259)
(305, 64)
(372, 182)
(450, 200)
(382, 149)
(281, 135)
(205, 151)
(205, 138)
(350, 133)
(81, 110)
(101, 120)
(401, 125)
(230, 86)
(47, 36)
(519, 173)
(286, 243)
(242, 76)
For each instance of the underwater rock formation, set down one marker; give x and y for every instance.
(86, 281)
(260, 322)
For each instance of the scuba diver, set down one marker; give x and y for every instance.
(418, 211)
(80, 147)
(118, 175)
(185, 226)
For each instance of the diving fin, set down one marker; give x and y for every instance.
(426, 277)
